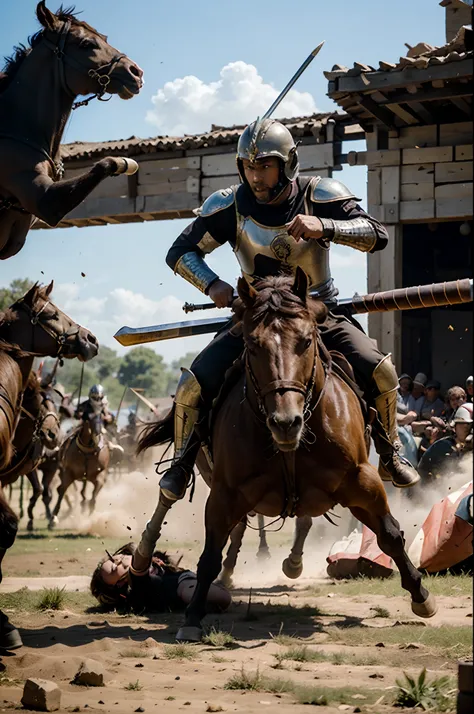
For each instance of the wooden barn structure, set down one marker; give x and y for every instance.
(417, 115)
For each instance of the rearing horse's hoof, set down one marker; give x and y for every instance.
(428, 608)
(189, 634)
(126, 166)
(291, 570)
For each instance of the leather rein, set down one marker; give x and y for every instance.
(291, 496)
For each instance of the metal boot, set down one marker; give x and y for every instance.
(187, 400)
(392, 466)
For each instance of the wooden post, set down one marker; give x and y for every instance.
(465, 699)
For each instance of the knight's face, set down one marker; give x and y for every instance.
(262, 176)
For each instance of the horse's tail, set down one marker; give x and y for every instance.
(11, 381)
(159, 432)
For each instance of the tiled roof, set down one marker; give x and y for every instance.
(420, 57)
(218, 136)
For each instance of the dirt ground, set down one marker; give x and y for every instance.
(297, 641)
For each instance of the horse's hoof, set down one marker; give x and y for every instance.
(189, 634)
(126, 166)
(428, 608)
(29, 526)
(290, 570)
(263, 554)
(225, 580)
(53, 523)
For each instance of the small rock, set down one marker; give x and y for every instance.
(140, 709)
(380, 644)
(356, 709)
(214, 708)
(90, 674)
(100, 702)
(177, 678)
(410, 646)
(139, 665)
(41, 695)
(186, 704)
(415, 623)
(376, 675)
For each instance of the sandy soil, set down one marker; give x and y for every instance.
(135, 648)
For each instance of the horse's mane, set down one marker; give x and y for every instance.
(275, 298)
(21, 52)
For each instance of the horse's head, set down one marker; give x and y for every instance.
(96, 427)
(40, 328)
(280, 332)
(91, 65)
(50, 428)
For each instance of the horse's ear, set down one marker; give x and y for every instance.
(47, 18)
(300, 286)
(50, 287)
(246, 292)
(30, 295)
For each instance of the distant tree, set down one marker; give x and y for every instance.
(106, 363)
(143, 368)
(14, 292)
(175, 370)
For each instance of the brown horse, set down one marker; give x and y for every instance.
(37, 427)
(291, 403)
(38, 89)
(84, 456)
(33, 327)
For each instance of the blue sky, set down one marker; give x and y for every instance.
(127, 281)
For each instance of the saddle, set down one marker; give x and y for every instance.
(340, 367)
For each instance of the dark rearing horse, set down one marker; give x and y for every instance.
(38, 89)
(291, 403)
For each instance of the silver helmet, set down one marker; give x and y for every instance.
(96, 393)
(463, 414)
(268, 138)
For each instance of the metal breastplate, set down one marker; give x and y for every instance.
(254, 239)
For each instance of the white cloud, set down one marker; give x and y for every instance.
(187, 105)
(104, 316)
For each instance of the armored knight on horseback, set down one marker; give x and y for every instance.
(275, 221)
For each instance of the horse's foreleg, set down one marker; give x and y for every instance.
(47, 479)
(37, 492)
(263, 552)
(228, 566)
(98, 486)
(51, 201)
(293, 565)
(66, 480)
(368, 502)
(223, 512)
(83, 495)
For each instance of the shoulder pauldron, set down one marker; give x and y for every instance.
(217, 201)
(329, 189)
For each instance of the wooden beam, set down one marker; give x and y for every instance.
(422, 112)
(410, 75)
(426, 94)
(403, 114)
(380, 113)
(461, 104)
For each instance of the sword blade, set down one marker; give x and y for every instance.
(128, 336)
(292, 81)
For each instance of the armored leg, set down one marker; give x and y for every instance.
(377, 377)
(392, 466)
(187, 401)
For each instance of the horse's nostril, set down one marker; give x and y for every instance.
(92, 339)
(286, 423)
(136, 70)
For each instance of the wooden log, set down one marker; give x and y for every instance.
(456, 134)
(412, 136)
(456, 208)
(373, 159)
(453, 171)
(463, 152)
(374, 187)
(417, 210)
(422, 173)
(453, 190)
(434, 295)
(429, 154)
(390, 184)
(416, 191)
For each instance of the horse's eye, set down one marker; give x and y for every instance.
(307, 343)
(88, 44)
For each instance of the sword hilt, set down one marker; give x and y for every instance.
(192, 307)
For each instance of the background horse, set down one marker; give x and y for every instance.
(84, 456)
(38, 89)
(290, 439)
(33, 327)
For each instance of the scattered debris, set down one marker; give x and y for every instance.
(41, 695)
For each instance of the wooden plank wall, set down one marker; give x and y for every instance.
(170, 185)
(424, 175)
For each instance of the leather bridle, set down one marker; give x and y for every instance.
(36, 318)
(103, 79)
